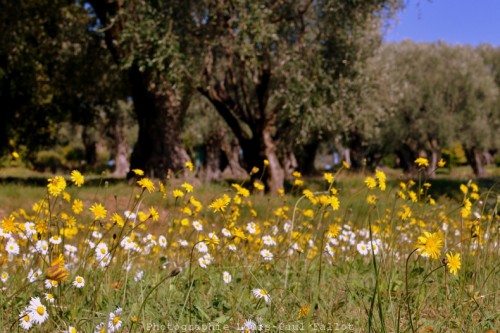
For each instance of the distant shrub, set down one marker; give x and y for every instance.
(49, 160)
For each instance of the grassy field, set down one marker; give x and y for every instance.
(340, 253)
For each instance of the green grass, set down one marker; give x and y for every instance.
(348, 291)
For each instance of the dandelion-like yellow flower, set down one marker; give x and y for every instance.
(304, 311)
(57, 271)
(430, 244)
(380, 175)
(453, 262)
(266, 163)
(190, 166)
(15, 155)
(241, 190)
(154, 214)
(177, 193)
(9, 225)
(188, 187)
(77, 206)
(116, 218)
(220, 204)
(441, 163)
(346, 165)
(99, 211)
(56, 185)
(77, 178)
(371, 199)
(328, 177)
(370, 182)
(422, 162)
(334, 202)
(147, 184)
(258, 186)
(254, 170)
(138, 172)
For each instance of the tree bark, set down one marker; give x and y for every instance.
(475, 159)
(306, 157)
(158, 148)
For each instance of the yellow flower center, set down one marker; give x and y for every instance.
(103, 251)
(40, 310)
(79, 280)
(26, 318)
(116, 320)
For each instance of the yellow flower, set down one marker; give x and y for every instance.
(464, 189)
(466, 209)
(8, 224)
(220, 204)
(328, 177)
(474, 187)
(298, 182)
(15, 155)
(154, 214)
(258, 186)
(371, 199)
(422, 162)
(56, 185)
(241, 190)
(77, 206)
(453, 262)
(77, 178)
(370, 182)
(116, 218)
(138, 172)
(333, 230)
(188, 187)
(345, 165)
(380, 175)
(190, 166)
(147, 184)
(99, 211)
(303, 312)
(281, 192)
(266, 162)
(413, 196)
(254, 170)
(57, 271)
(178, 193)
(430, 244)
(296, 174)
(441, 163)
(334, 202)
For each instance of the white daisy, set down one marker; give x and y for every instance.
(101, 251)
(197, 225)
(261, 293)
(362, 248)
(248, 326)
(37, 311)
(12, 247)
(266, 254)
(49, 298)
(4, 277)
(129, 215)
(226, 232)
(201, 247)
(25, 320)
(34, 275)
(79, 282)
(251, 227)
(162, 241)
(226, 277)
(269, 240)
(55, 240)
(115, 322)
(49, 284)
(138, 276)
(42, 247)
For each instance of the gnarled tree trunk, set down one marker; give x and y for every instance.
(158, 112)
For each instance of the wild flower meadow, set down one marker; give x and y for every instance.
(372, 258)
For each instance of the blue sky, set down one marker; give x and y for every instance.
(454, 21)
